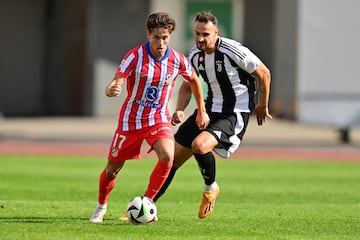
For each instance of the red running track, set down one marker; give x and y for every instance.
(339, 153)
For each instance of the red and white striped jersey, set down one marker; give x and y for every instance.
(150, 83)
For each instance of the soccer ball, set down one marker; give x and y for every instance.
(141, 210)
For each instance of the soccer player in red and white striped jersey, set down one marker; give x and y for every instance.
(149, 72)
(150, 82)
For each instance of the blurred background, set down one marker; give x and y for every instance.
(57, 56)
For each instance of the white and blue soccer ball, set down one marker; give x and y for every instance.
(141, 210)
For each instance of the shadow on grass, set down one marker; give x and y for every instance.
(51, 220)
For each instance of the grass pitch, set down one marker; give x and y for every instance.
(48, 197)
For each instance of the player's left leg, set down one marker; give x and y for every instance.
(223, 134)
(202, 146)
(161, 139)
(182, 154)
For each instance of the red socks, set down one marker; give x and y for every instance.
(105, 187)
(157, 178)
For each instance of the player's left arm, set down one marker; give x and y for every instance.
(262, 73)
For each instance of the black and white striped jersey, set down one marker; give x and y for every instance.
(231, 88)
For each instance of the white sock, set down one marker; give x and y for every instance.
(102, 206)
(210, 188)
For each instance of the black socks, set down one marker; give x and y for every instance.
(207, 166)
(166, 184)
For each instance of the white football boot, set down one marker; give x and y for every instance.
(98, 214)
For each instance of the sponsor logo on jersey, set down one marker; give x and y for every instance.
(152, 93)
(146, 104)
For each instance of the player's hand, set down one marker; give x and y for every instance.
(261, 113)
(114, 90)
(202, 120)
(177, 117)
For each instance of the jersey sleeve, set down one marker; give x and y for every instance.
(127, 64)
(186, 68)
(246, 59)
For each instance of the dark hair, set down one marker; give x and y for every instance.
(160, 20)
(205, 17)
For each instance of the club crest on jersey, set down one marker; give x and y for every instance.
(168, 78)
(168, 75)
(218, 66)
(114, 152)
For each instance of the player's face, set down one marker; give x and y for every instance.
(159, 39)
(206, 36)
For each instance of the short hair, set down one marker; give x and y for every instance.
(205, 17)
(160, 20)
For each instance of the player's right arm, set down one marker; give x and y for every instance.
(113, 89)
(127, 65)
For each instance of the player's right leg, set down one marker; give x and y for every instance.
(98, 214)
(106, 184)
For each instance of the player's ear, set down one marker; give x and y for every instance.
(148, 34)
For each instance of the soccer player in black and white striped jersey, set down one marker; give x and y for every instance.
(230, 71)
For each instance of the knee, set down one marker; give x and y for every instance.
(167, 157)
(182, 154)
(198, 147)
(110, 173)
(112, 170)
(176, 163)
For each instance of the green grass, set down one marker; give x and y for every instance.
(48, 197)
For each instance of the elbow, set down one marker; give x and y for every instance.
(262, 73)
(267, 73)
